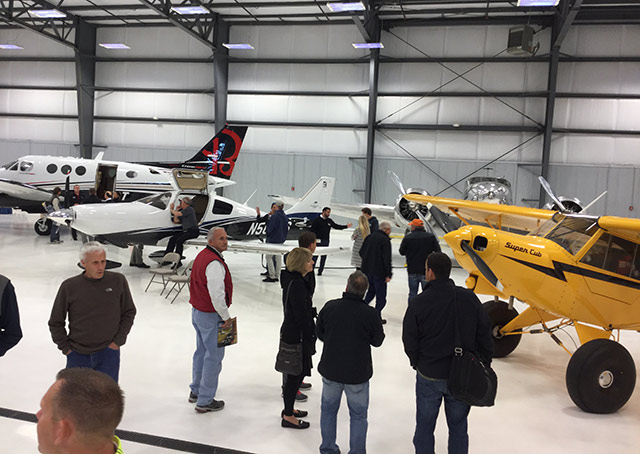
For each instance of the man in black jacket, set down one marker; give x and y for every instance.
(348, 327)
(417, 246)
(428, 332)
(322, 226)
(10, 331)
(376, 264)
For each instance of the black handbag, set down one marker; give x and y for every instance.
(289, 357)
(471, 380)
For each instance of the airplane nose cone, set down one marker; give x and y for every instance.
(456, 237)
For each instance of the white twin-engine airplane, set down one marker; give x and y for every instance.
(29, 181)
(148, 221)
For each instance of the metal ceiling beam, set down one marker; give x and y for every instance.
(199, 27)
(568, 21)
(57, 29)
(221, 73)
(372, 30)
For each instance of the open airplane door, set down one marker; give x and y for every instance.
(194, 184)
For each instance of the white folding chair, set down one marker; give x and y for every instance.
(179, 280)
(168, 266)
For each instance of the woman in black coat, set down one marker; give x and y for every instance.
(297, 327)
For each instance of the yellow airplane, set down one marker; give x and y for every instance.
(571, 270)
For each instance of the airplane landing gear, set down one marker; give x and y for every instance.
(42, 226)
(601, 376)
(499, 315)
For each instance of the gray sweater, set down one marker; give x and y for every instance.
(100, 311)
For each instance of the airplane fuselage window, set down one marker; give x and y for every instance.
(65, 169)
(154, 171)
(81, 170)
(220, 207)
(160, 201)
(573, 233)
(52, 168)
(614, 254)
(26, 166)
(13, 165)
(132, 174)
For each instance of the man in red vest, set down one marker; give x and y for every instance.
(211, 289)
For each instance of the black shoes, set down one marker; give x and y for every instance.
(269, 279)
(289, 425)
(304, 385)
(266, 273)
(193, 397)
(215, 405)
(301, 397)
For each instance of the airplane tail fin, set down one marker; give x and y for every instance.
(219, 155)
(316, 198)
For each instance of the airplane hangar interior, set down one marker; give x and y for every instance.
(508, 129)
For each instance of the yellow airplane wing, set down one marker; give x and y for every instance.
(625, 227)
(497, 216)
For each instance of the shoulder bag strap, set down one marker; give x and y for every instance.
(457, 342)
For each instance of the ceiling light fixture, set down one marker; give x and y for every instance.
(341, 7)
(114, 46)
(47, 13)
(186, 10)
(10, 47)
(368, 45)
(238, 46)
(538, 2)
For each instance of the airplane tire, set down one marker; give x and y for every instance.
(42, 226)
(499, 315)
(601, 376)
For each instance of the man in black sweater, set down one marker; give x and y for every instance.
(428, 333)
(417, 246)
(376, 264)
(348, 327)
(10, 331)
(322, 226)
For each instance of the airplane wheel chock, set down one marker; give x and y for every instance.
(42, 226)
(499, 315)
(601, 376)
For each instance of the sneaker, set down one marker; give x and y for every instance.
(301, 397)
(304, 385)
(193, 397)
(214, 405)
(266, 273)
(269, 279)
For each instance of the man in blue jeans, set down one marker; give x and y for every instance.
(428, 336)
(100, 310)
(417, 246)
(376, 264)
(348, 327)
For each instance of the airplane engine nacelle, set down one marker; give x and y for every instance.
(405, 210)
(573, 205)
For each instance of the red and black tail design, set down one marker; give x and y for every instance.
(219, 156)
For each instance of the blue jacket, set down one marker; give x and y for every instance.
(277, 227)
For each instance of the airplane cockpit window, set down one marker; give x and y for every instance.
(132, 174)
(614, 254)
(26, 166)
(13, 165)
(573, 233)
(160, 201)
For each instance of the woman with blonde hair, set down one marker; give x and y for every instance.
(358, 236)
(298, 327)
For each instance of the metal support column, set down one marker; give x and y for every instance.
(220, 72)
(85, 53)
(374, 67)
(561, 23)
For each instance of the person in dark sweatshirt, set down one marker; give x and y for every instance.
(417, 246)
(10, 331)
(322, 226)
(100, 310)
(348, 327)
(428, 332)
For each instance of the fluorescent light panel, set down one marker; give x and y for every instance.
(340, 7)
(114, 46)
(47, 13)
(368, 45)
(238, 46)
(10, 47)
(538, 2)
(190, 9)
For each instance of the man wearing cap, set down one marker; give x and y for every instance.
(417, 246)
(185, 215)
(277, 229)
